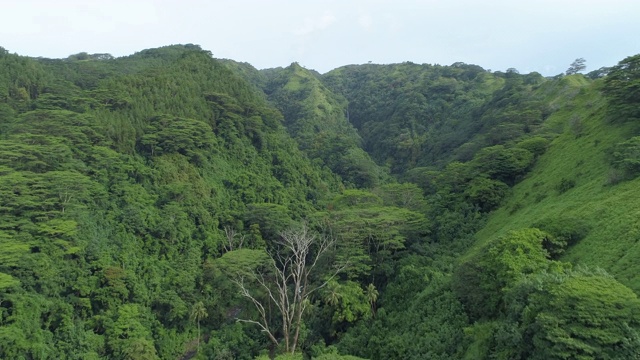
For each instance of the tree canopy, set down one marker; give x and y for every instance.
(169, 205)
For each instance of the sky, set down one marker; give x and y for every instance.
(529, 35)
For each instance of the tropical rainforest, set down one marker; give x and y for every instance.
(171, 205)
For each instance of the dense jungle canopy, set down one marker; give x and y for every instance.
(170, 205)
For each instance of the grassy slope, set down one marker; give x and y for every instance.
(579, 153)
(326, 108)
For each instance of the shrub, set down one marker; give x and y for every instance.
(517, 206)
(626, 157)
(503, 164)
(536, 145)
(565, 185)
(480, 282)
(539, 197)
(614, 177)
(563, 232)
(486, 194)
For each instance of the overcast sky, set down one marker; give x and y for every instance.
(534, 35)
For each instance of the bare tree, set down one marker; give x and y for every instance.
(289, 288)
(234, 240)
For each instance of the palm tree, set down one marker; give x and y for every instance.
(372, 296)
(333, 295)
(198, 312)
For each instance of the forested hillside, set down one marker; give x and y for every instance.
(317, 119)
(118, 178)
(169, 205)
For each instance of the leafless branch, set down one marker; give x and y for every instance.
(293, 262)
(234, 240)
(264, 324)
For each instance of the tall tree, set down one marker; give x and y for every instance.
(198, 312)
(622, 88)
(576, 66)
(293, 263)
(372, 296)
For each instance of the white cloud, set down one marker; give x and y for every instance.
(312, 25)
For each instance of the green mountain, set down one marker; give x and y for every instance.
(413, 115)
(551, 261)
(170, 205)
(316, 118)
(118, 177)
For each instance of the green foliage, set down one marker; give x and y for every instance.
(598, 73)
(348, 300)
(419, 317)
(626, 157)
(565, 185)
(128, 183)
(334, 356)
(576, 66)
(128, 337)
(315, 117)
(413, 115)
(479, 282)
(517, 254)
(239, 263)
(503, 164)
(271, 219)
(369, 235)
(407, 113)
(622, 88)
(536, 145)
(486, 193)
(282, 357)
(406, 195)
(359, 198)
(577, 229)
(116, 177)
(183, 136)
(547, 312)
(7, 281)
(578, 314)
(562, 233)
(231, 342)
(21, 81)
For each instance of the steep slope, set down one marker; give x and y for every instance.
(575, 181)
(315, 117)
(117, 179)
(412, 115)
(557, 254)
(141, 194)
(548, 271)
